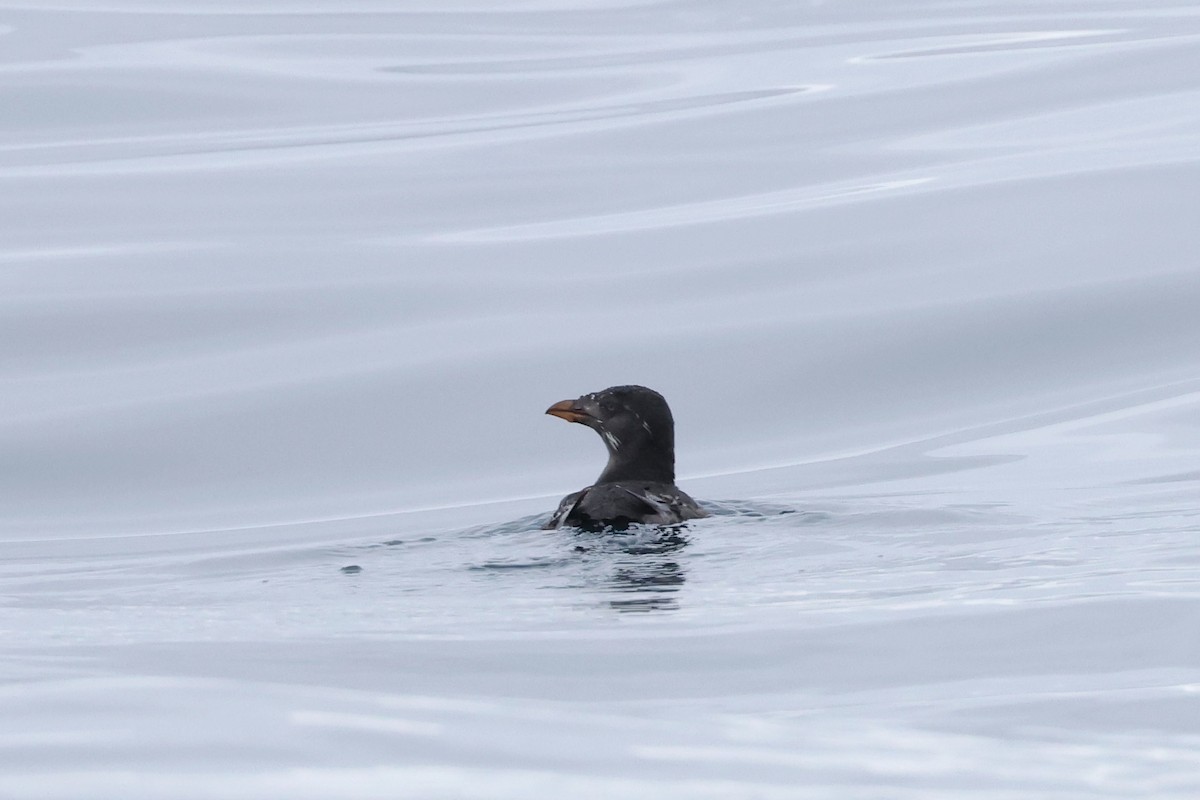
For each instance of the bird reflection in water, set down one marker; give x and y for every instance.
(646, 573)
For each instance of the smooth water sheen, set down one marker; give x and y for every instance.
(285, 286)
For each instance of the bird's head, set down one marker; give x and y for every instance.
(636, 426)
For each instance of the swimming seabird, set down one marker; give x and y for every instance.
(638, 483)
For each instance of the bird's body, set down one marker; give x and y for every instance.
(637, 485)
(619, 505)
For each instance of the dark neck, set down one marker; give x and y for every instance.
(654, 464)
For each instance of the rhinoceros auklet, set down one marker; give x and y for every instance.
(638, 484)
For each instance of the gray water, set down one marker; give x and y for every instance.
(286, 286)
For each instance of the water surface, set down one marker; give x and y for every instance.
(285, 286)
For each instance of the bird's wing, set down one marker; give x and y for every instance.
(565, 508)
(667, 507)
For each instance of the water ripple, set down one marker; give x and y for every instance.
(284, 289)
